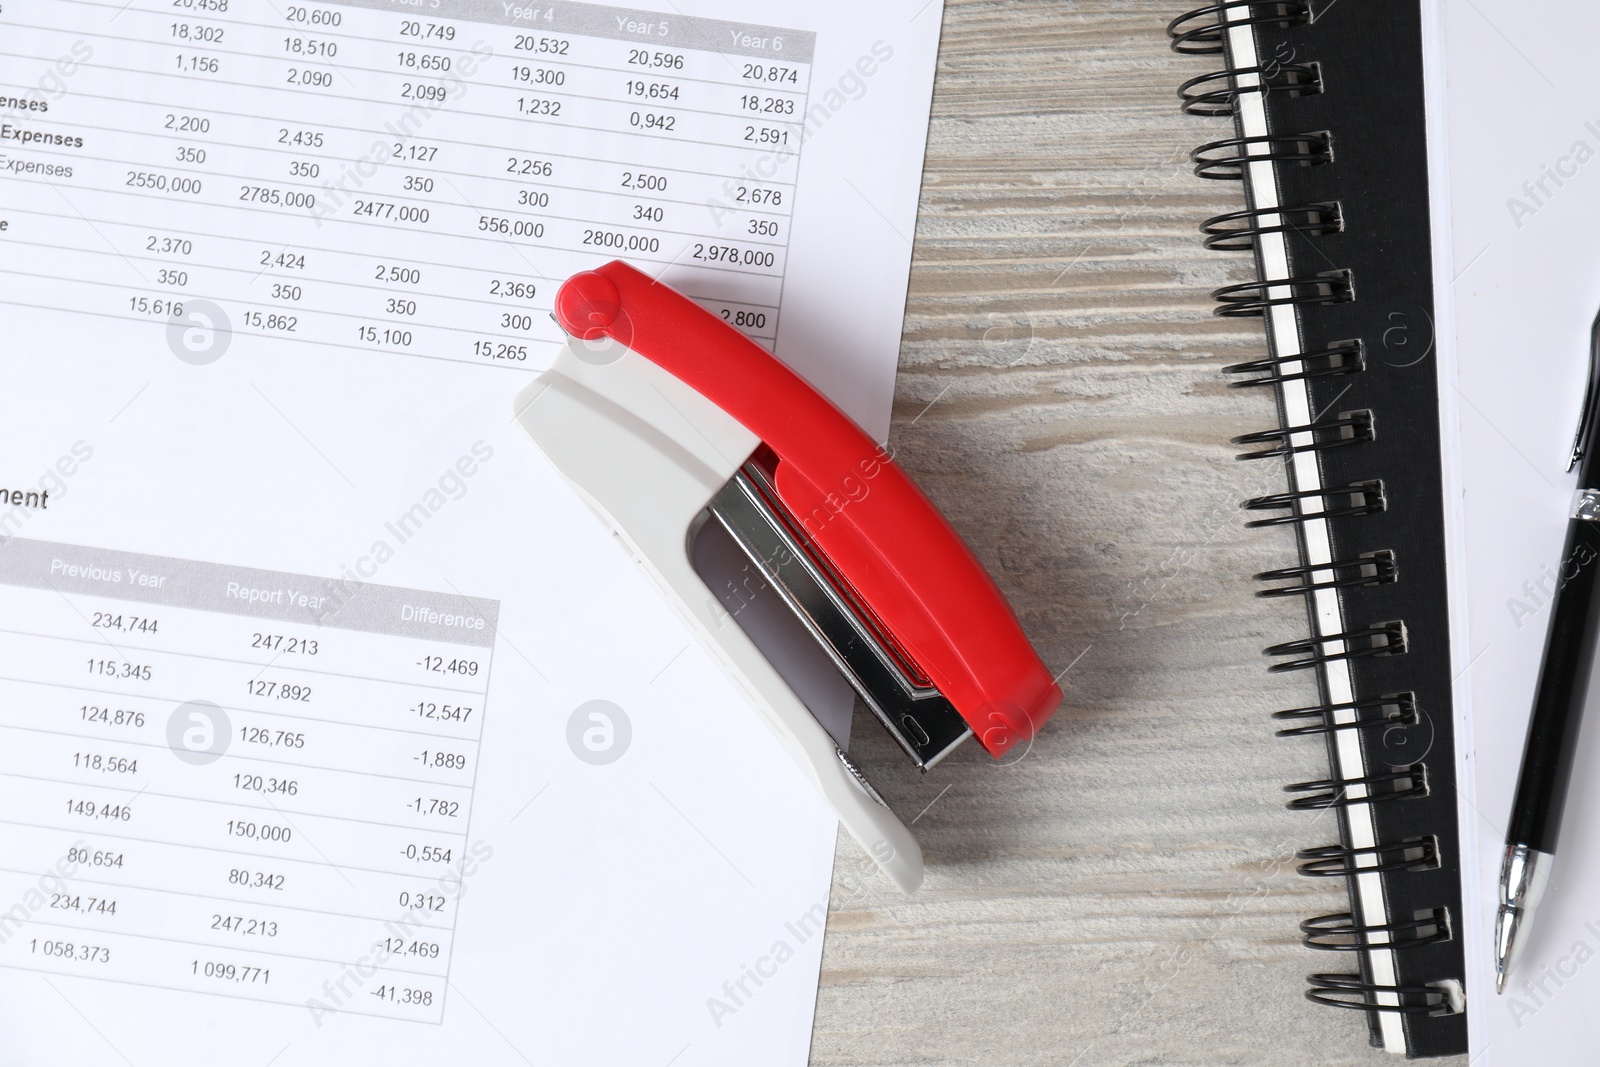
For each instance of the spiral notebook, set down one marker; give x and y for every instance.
(1329, 143)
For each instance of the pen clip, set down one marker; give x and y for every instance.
(1584, 438)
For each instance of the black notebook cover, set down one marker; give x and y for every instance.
(1330, 141)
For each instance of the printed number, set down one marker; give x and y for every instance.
(539, 75)
(545, 46)
(638, 179)
(423, 91)
(746, 194)
(640, 57)
(277, 324)
(428, 31)
(499, 350)
(734, 256)
(313, 16)
(776, 75)
(391, 337)
(511, 289)
(750, 320)
(652, 120)
(768, 105)
(441, 665)
(398, 275)
(187, 124)
(537, 168)
(630, 242)
(298, 646)
(510, 227)
(532, 106)
(766, 135)
(311, 79)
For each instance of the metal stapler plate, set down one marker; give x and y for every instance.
(919, 718)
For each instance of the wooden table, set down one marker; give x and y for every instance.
(1125, 893)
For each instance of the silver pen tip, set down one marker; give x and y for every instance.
(1523, 879)
(1506, 921)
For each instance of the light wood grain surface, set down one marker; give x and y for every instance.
(1125, 893)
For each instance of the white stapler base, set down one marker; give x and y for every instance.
(647, 453)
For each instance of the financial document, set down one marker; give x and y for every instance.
(334, 725)
(328, 743)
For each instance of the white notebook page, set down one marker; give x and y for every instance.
(1524, 272)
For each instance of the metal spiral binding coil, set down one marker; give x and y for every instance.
(1305, 149)
(1341, 357)
(1254, 298)
(1351, 427)
(1335, 989)
(1366, 498)
(1397, 710)
(1217, 94)
(1236, 231)
(1341, 933)
(1323, 793)
(1382, 639)
(1199, 96)
(1376, 568)
(1206, 39)
(1340, 861)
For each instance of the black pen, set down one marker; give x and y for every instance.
(1558, 701)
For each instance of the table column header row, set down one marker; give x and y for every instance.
(645, 28)
(296, 598)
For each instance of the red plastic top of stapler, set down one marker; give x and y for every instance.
(894, 548)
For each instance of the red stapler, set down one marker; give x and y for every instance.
(666, 419)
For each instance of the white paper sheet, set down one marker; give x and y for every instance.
(1524, 208)
(266, 300)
